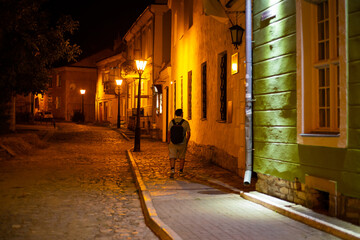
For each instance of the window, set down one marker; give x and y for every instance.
(182, 92)
(188, 8)
(326, 67)
(57, 102)
(189, 93)
(174, 95)
(203, 91)
(234, 63)
(321, 73)
(223, 85)
(58, 80)
(50, 82)
(158, 98)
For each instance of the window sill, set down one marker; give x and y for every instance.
(320, 135)
(221, 121)
(322, 139)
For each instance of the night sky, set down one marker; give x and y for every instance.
(100, 20)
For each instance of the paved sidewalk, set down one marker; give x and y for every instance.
(205, 204)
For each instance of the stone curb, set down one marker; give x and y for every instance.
(301, 217)
(151, 218)
(8, 150)
(124, 135)
(121, 133)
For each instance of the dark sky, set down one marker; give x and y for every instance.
(100, 20)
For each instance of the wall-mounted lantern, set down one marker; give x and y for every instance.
(236, 35)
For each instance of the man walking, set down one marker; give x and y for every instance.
(178, 138)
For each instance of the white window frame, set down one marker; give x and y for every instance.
(307, 118)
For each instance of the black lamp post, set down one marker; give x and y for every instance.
(118, 83)
(82, 92)
(236, 35)
(140, 66)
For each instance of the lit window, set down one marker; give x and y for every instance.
(235, 63)
(57, 102)
(58, 80)
(158, 98)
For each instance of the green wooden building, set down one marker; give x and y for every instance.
(306, 72)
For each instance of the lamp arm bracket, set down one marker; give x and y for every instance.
(231, 12)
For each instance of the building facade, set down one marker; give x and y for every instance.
(145, 40)
(306, 113)
(106, 99)
(205, 85)
(63, 96)
(148, 39)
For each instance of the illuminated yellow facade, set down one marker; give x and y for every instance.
(205, 85)
(106, 100)
(147, 39)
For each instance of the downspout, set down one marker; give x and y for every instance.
(249, 95)
(153, 68)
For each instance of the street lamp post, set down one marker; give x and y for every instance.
(82, 92)
(118, 83)
(140, 65)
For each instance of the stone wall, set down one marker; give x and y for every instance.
(343, 207)
(214, 155)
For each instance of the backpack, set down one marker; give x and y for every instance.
(177, 132)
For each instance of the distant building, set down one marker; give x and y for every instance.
(148, 39)
(63, 96)
(106, 99)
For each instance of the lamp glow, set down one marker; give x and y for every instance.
(82, 91)
(235, 63)
(140, 65)
(119, 82)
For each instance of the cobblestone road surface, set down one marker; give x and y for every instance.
(79, 187)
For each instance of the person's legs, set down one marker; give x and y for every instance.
(182, 164)
(172, 163)
(182, 152)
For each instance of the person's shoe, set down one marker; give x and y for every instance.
(172, 173)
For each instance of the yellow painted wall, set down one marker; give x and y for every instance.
(203, 42)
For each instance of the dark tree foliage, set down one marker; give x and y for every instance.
(31, 42)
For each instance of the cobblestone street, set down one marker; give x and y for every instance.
(79, 186)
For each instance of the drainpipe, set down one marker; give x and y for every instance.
(153, 67)
(249, 95)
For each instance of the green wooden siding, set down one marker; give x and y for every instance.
(274, 74)
(275, 109)
(353, 158)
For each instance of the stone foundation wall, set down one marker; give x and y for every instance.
(340, 206)
(214, 155)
